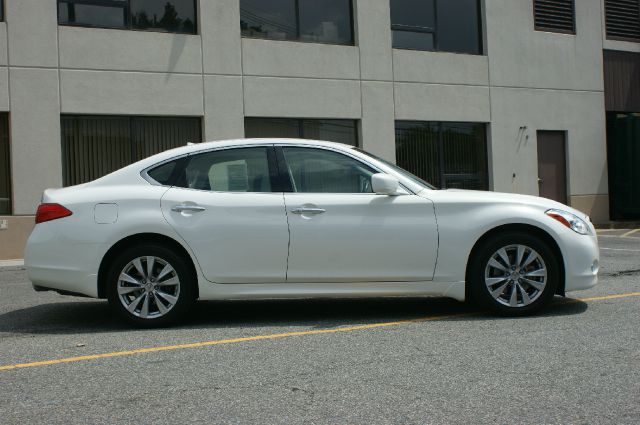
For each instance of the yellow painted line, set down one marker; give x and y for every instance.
(629, 233)
(270, 337)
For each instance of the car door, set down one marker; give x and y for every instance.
(226, 207)
(340, 231)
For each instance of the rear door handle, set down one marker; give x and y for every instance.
(307, 210)
(186, 207)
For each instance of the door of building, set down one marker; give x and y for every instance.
(623, 143)
(552, 165)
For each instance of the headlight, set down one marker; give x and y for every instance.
(572, 221)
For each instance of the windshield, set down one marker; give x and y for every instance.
(399, 170)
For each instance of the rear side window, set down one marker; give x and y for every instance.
(230, 170)
(322, 171)
(163, 173)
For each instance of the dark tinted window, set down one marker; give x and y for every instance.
(321, 21)
(177, 16)
(229, 170)
(5, 166)
(1, 10)
(93, 146)
(623, 19)
(323, 171)
(445, 154)
(439, 25)
(340, 131)
(162, 174)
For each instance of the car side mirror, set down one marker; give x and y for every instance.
(384, 184)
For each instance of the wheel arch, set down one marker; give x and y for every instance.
(137, 239)
(524, 228)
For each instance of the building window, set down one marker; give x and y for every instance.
(622, 19)
(93, 146)
(319, 21)
(5, 166)
(177, 16)
(555, 16)
(445, 154)
(437, 25)
(1, 10)
(341, 131)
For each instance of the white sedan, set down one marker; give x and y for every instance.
(276, 218)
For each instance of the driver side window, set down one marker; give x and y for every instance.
(324, 171)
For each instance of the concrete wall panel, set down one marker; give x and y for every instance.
(33, 32)
(4, 89)
(436, 102)
(292, 59)
(4, 47)
(301, 98)
(224, 118)
(439, 67)
(378, 125)
(106, 92)
(107, 49)
(522, 57)
(220, 31)
(35, 136)
(373, 35)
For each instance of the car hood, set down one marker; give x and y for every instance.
(475, 196)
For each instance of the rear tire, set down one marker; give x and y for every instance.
(148, 285)
(513, 274)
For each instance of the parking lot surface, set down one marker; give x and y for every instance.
(401, 360)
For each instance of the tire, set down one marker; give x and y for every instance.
(513, 274)
(154, 299)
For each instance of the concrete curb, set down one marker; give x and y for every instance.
(11, 263)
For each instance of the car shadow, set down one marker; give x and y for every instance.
(97, 317)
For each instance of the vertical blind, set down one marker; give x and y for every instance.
(93, 146)
(555, 15)
(622, 18)
(340, 131)
(5, 166)
(445, 154)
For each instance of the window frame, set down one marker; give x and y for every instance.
(434, 32)
(538, 28)
(127, 18)
(297, 23)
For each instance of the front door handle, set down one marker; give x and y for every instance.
(187, 207)
(308, 210)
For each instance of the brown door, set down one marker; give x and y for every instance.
(552, 165)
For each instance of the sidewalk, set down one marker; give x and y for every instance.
(11, 263)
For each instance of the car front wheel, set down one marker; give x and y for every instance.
(149, 285)
(514, 274)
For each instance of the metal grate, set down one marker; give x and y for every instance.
(622, 19)
(555, 15)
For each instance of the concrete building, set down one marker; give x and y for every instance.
(490, 94)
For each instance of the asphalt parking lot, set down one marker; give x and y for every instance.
(403, 360)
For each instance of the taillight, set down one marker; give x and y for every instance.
(48, 212)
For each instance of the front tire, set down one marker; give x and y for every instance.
(150, 286)
(514, 274)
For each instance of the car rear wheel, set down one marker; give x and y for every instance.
(149, 285)
(514, 274)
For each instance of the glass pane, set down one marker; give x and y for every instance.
(166, 15)
(110, 14)
(327, 21)
(464, 155)
(340, 131)
(162, 174)
(274, 19)
(413, 40)
(415, 13)
(94, 146)
(322, 171)
(271, 127)
(5, 166)
(152, 135)
(417, 149)
(232, 170)
(459, 26)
